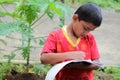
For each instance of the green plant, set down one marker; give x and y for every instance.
(115, 71)
(108, 73)
(6, 1)
(9, 57)
(5, 68)
(41, 69)
(2, 42)
(26, 14)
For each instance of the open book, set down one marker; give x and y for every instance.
(56, 68)
(86, 62)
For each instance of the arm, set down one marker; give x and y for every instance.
(53, 58)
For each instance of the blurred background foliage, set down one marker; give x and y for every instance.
(102, 3)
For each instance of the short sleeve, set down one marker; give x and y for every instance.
(50, 43)
(93, 47)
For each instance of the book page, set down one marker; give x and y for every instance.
(56, 68)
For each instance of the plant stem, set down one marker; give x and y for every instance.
(28, 58)
(38, 18)
(28, 52)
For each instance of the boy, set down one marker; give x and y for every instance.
(75, 41)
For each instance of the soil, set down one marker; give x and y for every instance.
(101, 75)
(23, 76)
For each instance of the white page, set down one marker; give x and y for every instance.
(56, 68)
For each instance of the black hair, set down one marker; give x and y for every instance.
(90, 12)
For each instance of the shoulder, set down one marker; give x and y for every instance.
(55, 32)
(58, 31)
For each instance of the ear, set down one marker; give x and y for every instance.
(75, 17)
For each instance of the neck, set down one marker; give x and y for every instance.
(70, 31)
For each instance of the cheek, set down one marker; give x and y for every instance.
(78, 31)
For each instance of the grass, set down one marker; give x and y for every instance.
(108, 73)
(115, 71)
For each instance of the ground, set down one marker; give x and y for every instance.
(107, 37)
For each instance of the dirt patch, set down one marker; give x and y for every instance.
(23, 76)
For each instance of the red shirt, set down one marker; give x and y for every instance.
(58, 42)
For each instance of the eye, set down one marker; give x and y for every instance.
(85, 28)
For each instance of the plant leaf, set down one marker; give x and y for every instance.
(3, 41)
(6, 1)
(42, 41)
(28, 12)
(8, 28)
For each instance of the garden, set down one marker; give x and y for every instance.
(23, 18)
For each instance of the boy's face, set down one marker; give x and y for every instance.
(81, 28)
